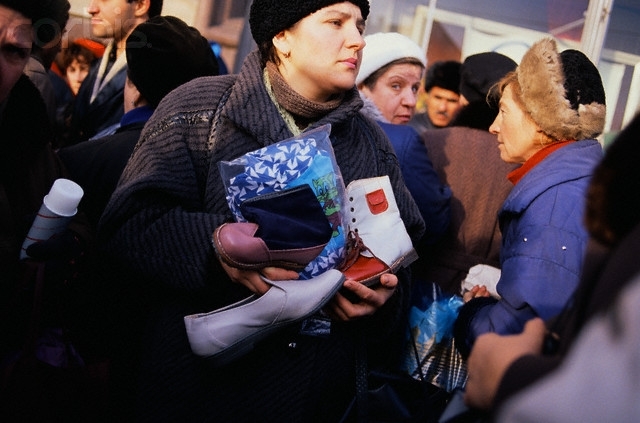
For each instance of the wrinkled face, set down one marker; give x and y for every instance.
(76, 73)
(442, 106)
(320, 55)
(518, 135)
(111, 18)
(395, 92)
(16, 36)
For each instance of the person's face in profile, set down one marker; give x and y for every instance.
(518, 135)
(16, 36)
(320, 55)
(111, 18)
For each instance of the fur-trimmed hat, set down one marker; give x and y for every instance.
(444, 74)
(482, 71)
(268, 17)
(562, 92)
(383, 48)
(163, 53)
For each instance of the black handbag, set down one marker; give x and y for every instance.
(388, 397)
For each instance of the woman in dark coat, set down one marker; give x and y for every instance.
(170, 199)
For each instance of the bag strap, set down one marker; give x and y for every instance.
(362, 380)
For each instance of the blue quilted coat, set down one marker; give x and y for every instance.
(543, 244)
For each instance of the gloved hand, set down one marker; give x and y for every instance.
(61, 255)
(65, 246)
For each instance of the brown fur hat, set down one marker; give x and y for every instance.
(562, 92)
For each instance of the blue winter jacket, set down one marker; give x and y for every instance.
(543, 245)
(433, 198)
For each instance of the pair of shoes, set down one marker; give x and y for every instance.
(378, 241)
(286, 229)
(228, 333)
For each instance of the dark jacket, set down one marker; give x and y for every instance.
(158, 226)
(91, 117)
(97, 165)
(543, 244)
(28, 168)
(433, 198)
(421, 122)
(468, 161)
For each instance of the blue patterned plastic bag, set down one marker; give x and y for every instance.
(305, 159)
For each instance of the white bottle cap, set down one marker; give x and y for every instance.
(64, 197)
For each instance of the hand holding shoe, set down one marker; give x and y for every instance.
(254, 280)
(227, 333)
(370, 298)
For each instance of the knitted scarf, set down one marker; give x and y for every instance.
(297, 111)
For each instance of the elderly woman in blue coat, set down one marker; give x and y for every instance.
(551, 109)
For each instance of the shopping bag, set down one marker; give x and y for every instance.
(304, 159)
(430, 353)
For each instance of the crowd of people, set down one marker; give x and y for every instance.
(504, 169)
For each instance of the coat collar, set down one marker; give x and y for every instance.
(574, 161)
(249, 88)
(118, 65)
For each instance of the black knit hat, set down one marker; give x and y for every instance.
(443, 74)
(28, 8)
(482, 71)
(163, 53)
(268, 17)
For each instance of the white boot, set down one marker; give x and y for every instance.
(379, 242)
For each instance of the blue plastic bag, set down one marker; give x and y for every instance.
(430, 353)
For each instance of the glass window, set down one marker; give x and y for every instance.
(454, 29)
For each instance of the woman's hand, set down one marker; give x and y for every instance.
(371, 299)
(253, 280)
(476, 292)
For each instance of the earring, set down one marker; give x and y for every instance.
(287, 55)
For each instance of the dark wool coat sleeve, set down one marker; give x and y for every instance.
(157, 216)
